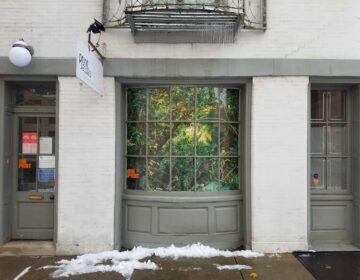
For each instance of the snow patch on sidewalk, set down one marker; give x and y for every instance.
(127, 261)
(232, 266)
(22, 273)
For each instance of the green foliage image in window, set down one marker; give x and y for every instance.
(183, 138)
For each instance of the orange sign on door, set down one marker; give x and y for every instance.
(23, 164)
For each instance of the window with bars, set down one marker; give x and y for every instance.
(330, 140)
(183, 138)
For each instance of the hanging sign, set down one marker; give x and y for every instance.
(29, 143)
(89, 69)
(45, 144)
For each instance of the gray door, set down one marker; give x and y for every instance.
(34, 184)
(331, 161)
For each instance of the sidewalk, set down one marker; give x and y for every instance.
(269, 267)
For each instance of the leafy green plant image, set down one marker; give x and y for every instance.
(159, 104)
(183, 139)
(207, 174)
(159, 137)
(136, 100)
(207, 103)
(159, 174)
(183, 103)
(183, 174)
(229, 134)
(229, 105)
(136, 139)
(207, 139)
(229, 177)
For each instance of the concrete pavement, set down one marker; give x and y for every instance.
(269, 267)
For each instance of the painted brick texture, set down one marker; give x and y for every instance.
(86, 167)
(296, 29)
(279, 164)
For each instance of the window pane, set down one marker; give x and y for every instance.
(136, 99)
(229, 174)
(207, 103)
(43, 94)
(159, 104)
(318, 173)
(229, 104)
(337, 174)
(183, 139)
(136, 173)
(159, 138)
(183, 174)
(183, 103)
(318, 138)
(317, 105)
(136, 136)
(337, 140)
(207, 178)
(229, 140)
(27, 173)
(337, 105)
(159, 174)
(207, 139)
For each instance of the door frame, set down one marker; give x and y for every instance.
(5, 85)
(33, 112)
(332, 83)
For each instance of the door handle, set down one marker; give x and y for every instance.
(52, 197)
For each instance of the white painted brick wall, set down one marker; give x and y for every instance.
(296, 29)
(279, 164)
(86, 171)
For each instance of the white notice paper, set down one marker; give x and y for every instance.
(45, 145)
(46, 161)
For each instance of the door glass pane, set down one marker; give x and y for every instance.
(229, 174)
(337, 174)
(43, 94)
(27, 173)
(207, 139)
(183, 103)
(136, 138)
(136, 173)
(27, 135)
(159, 104)
(136, 98)
(317, 105)
(337, 144)
(229, 104)
(183, 139)
(318, 173)
(207, 174)
(183, 174)
(159, 138)
(159, 174)
(337, 105)
(318, 138)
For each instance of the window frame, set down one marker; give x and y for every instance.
(348, 155)
(241, 123)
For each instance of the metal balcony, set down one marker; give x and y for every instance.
(183, 21)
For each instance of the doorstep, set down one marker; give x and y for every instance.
(27, 248)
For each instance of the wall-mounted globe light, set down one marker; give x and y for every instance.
(21, 53)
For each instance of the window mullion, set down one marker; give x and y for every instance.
(147, 139)
(195, 139)
(170, 155)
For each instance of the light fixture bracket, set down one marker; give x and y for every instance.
(97, 27)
